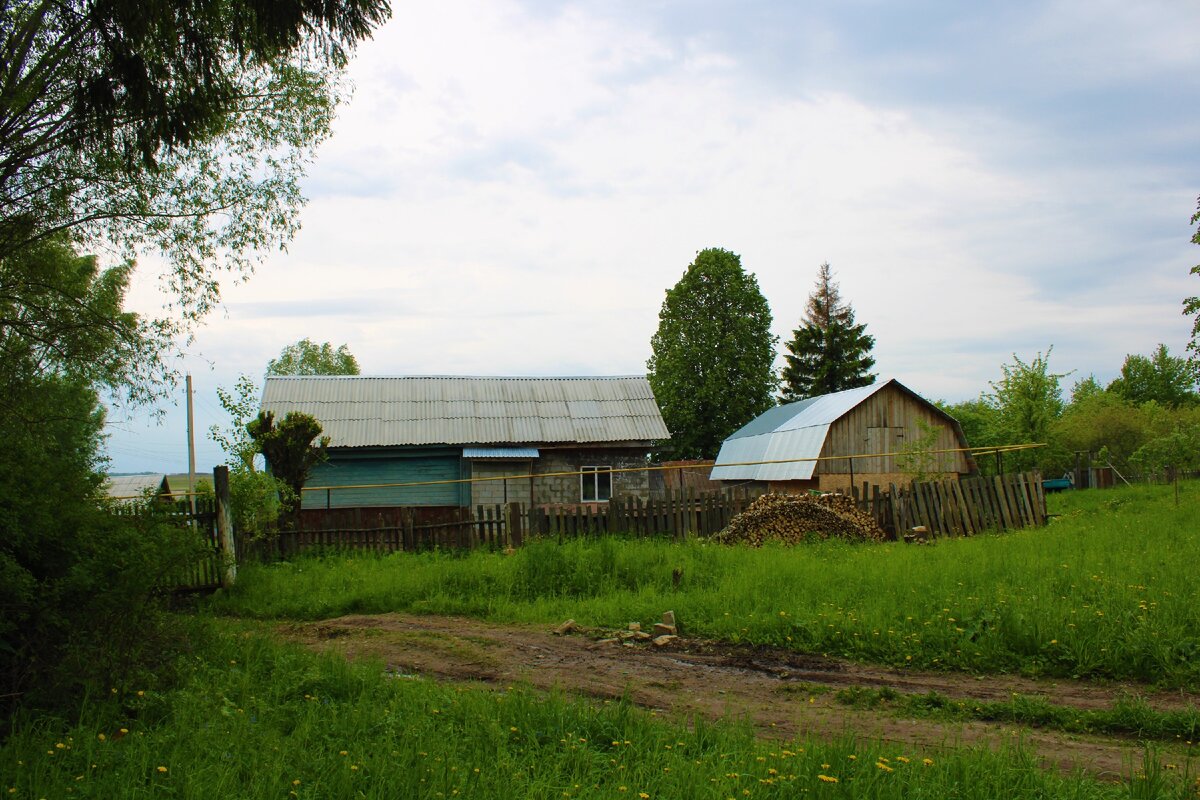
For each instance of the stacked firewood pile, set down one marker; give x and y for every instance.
(792, 519)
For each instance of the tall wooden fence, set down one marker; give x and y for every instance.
(958, 508)
(946, 508)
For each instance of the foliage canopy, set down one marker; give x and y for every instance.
(182, 128)
(828, 352)
(292, 448)
(712, 355)
(1166, 379)
(306, 357)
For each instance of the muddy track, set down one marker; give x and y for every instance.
(781, 693)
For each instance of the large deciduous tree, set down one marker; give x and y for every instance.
(77, 585)
(1166, 379)
(178, 127)
(828, 352)
(306, 357)
(712, 355)
(127, 126)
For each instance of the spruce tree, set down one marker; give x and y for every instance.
(828, 352)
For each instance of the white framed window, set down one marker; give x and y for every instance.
(595, 484)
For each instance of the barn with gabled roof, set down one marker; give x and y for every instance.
(808, 444)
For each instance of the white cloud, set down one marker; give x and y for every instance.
(511, 193)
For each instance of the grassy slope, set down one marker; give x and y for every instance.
(1105, 591)
(253, 719)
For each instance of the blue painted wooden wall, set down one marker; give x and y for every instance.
(389, 465)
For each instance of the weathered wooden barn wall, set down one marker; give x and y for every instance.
(884, 423)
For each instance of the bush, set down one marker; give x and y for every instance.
(81, 601)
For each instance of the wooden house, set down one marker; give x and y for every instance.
(126, 489)
(458, 442)
(807, 443)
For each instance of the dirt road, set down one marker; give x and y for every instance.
(783, 694)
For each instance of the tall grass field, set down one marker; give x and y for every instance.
(250, 718)
(1106, 590)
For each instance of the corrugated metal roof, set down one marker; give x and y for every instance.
(796, 430)
(500, 452)
(134, 485)
(369, 411)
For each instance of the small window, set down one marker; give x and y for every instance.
(595, 484)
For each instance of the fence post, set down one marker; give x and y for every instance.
(224, 511)
(515, 534)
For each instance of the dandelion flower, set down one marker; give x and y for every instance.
(827, 779)
(162, 769)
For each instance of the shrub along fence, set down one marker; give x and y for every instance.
(212, 520)
(944, 508)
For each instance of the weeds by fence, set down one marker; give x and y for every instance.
(205, 573)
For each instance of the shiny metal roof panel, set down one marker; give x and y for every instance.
(500, 452)
(822, 410)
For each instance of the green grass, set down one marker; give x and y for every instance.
(1105, 591)
(251, 718)
(1130, 716)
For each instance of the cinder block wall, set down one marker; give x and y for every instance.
(565, 489)
(513, 490)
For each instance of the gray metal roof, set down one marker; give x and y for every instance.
(129, 486)
(796, 430)
(368, 411)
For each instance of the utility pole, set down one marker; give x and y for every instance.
(191, 448)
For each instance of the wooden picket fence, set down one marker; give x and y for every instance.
(211, 519)
(944, 508)
(204, 574)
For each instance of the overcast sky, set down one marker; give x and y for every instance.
(514, 185)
